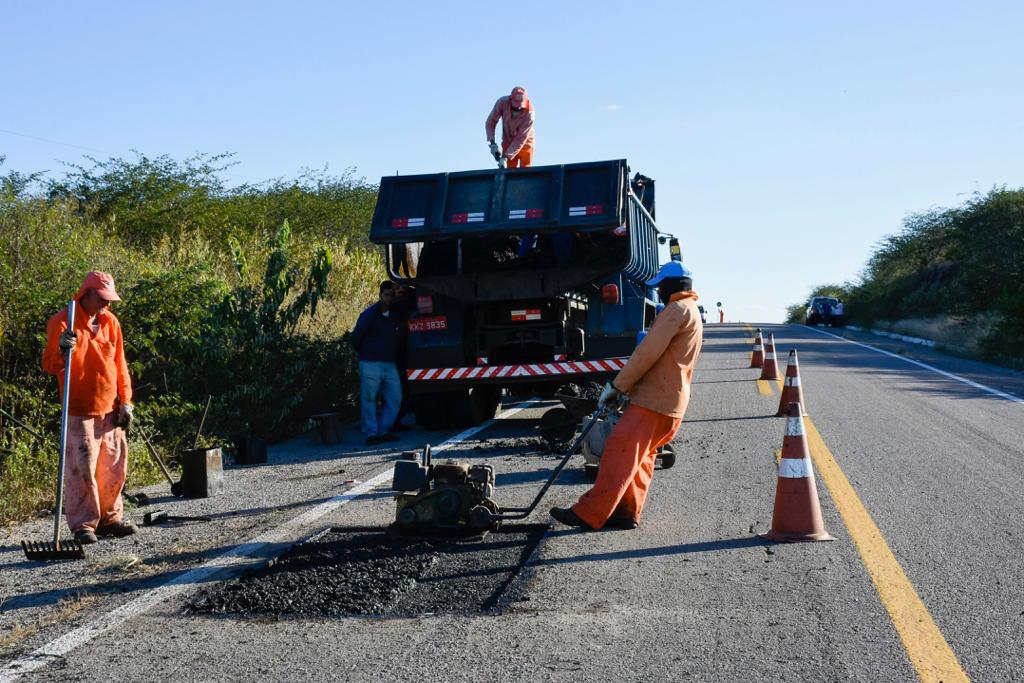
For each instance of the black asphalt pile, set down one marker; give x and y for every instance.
(345, 573)
(588, 390)
(535, 444)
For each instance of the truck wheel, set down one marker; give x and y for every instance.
(432, 411)
(484, 403)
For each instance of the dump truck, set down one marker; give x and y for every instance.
(524, 279)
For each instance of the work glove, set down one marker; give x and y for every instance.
(125, 415)
(67, 340)
(608, 396)
(495, 152)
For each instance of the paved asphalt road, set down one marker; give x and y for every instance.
(920, 478)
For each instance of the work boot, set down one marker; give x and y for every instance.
(118, 529)
(387, 437)
(620, 521)
(372, 440)
(85, 536)
(569, 518)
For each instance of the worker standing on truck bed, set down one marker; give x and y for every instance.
(657, 380)
(99, 409)
(517, 117)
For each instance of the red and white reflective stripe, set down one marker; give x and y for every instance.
(514, 214)
(481, 360)
(525, 314)
(795, 468)
(560, 356)
(526, 370)
(473, 217)
(589, 210)
(407, 222)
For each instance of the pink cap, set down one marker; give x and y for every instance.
(102, 282)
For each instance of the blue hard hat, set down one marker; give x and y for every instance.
(670, 269)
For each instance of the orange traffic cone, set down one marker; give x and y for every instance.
(792, 392)
(757, 358)
(770, 369)
(797, 514)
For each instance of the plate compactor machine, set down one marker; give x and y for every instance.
(456, 498)
(446, 498)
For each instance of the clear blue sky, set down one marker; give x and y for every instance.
(786, 138)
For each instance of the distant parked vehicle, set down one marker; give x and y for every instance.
(819, 310)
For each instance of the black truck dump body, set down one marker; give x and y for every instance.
(440, 212)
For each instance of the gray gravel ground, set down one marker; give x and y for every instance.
(693, 594)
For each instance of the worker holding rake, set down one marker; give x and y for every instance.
(657, 380)
(99, 409)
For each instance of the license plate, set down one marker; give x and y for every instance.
(437, 322)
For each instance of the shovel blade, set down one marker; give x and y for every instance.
(46, 551)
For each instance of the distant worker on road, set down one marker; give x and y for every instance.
(721, 314)
(99, 409)
(517, 117)
(657, 380)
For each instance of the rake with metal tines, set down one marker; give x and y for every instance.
(58, 549)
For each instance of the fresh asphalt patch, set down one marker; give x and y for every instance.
(368, 572)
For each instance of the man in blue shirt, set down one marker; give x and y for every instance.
(378, 337)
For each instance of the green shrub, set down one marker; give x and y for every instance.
(244, 294)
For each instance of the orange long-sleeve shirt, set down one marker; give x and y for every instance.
(516, 128)
(658, 374)
(99, 373)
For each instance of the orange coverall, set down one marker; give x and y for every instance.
(657, 379)
(517, 136)
(96, 448)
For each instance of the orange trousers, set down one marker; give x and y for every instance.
(521, 160)
(94, 472)
(627, 466)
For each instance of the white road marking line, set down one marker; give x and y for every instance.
(950, 375)
(238, 555)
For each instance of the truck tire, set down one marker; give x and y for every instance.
(471, 407)
(485, 402)
(432, 411)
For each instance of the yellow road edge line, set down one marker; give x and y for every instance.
(764, 387)
(927, 648)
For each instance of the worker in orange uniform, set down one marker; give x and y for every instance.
(657, 380)
(99, 409)
(517, 117)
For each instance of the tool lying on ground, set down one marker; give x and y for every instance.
(160, 516)
(58, 549)
(454, 497)
(176, 489)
